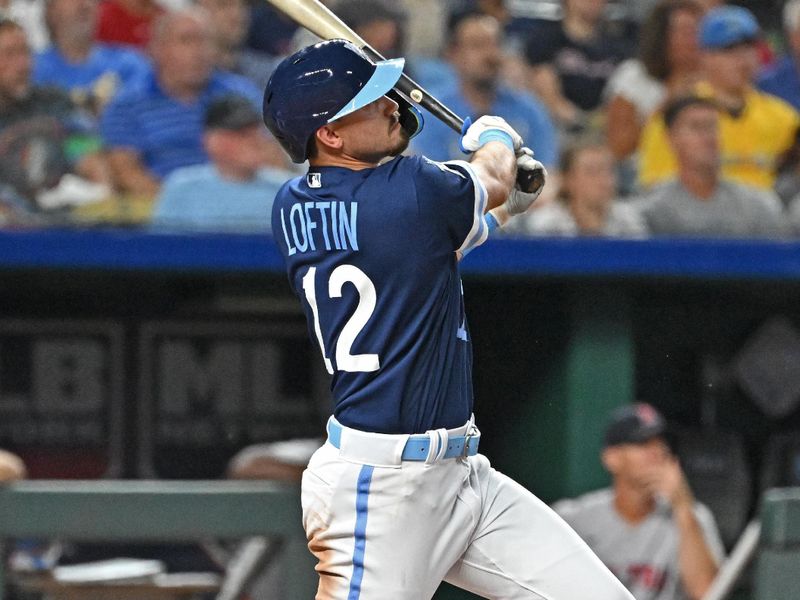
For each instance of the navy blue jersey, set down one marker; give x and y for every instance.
(372, 255)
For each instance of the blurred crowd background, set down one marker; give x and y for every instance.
(668, 117)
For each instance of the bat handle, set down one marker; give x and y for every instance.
(529, 181)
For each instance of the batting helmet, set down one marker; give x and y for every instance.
(325, 82)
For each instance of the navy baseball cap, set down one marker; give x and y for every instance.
(233, 113)
(727, 26)
(634, 424)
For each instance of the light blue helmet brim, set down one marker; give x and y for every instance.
(386, 74)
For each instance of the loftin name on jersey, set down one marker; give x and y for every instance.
(335, 220)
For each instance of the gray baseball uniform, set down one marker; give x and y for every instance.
(643, 556)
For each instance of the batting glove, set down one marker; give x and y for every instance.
(488, 129)
(533, 174)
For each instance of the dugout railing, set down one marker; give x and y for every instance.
(777, 567)
(119, 510)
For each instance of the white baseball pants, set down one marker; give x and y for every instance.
(387, 529)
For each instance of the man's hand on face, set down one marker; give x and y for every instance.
(665, 479)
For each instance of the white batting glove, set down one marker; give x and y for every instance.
(534, 173)
(487, 129)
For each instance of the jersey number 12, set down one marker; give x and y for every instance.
(366, 305)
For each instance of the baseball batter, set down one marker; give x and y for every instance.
(398, 498)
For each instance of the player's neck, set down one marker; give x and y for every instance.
(327, 159)
(631, 504)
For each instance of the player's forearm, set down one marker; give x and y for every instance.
(697, 564)
(495, 165)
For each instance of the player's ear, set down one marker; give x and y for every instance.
(611, 458)
(327, 137)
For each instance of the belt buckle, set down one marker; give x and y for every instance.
(467, 437)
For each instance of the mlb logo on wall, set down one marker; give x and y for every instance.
(314, 180)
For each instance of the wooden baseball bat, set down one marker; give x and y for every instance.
(321, 21)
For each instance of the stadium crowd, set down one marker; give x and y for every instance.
(668, 117)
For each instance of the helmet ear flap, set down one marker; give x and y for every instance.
(411, 119)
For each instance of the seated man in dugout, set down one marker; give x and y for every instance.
(647, 528)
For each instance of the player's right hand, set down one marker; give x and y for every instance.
(487, 129)
(531, 177)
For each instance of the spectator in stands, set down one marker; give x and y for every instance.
(379, 23)
(231, 19)
(127, 21)
(425, 26)
(474, 51)
(89, 71)
(698, 201)
(11, 467)
(756, 129)
(783, 78)
(571, 60)
(156, 125)
(48, 147)
(668, 65)
(235, 191)
(647, 527)
(30, 16)
(270, 30)
(586, 200)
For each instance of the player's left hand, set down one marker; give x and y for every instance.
(531, 177)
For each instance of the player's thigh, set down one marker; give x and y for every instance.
(524, 550)
(384, 533)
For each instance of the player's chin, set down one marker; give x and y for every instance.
(401, 144)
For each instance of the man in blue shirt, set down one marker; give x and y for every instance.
(398, 498)
(783, 79)
(155, 125)
(91, 73)
(474, 50)
(231, 22)
(232, 193)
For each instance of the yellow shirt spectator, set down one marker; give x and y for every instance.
(751, 142)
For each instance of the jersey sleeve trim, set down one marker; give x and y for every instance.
(479, 231)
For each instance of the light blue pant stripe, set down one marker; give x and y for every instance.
(362, 495)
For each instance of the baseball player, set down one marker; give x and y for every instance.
(398, 498)
(647, 527)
